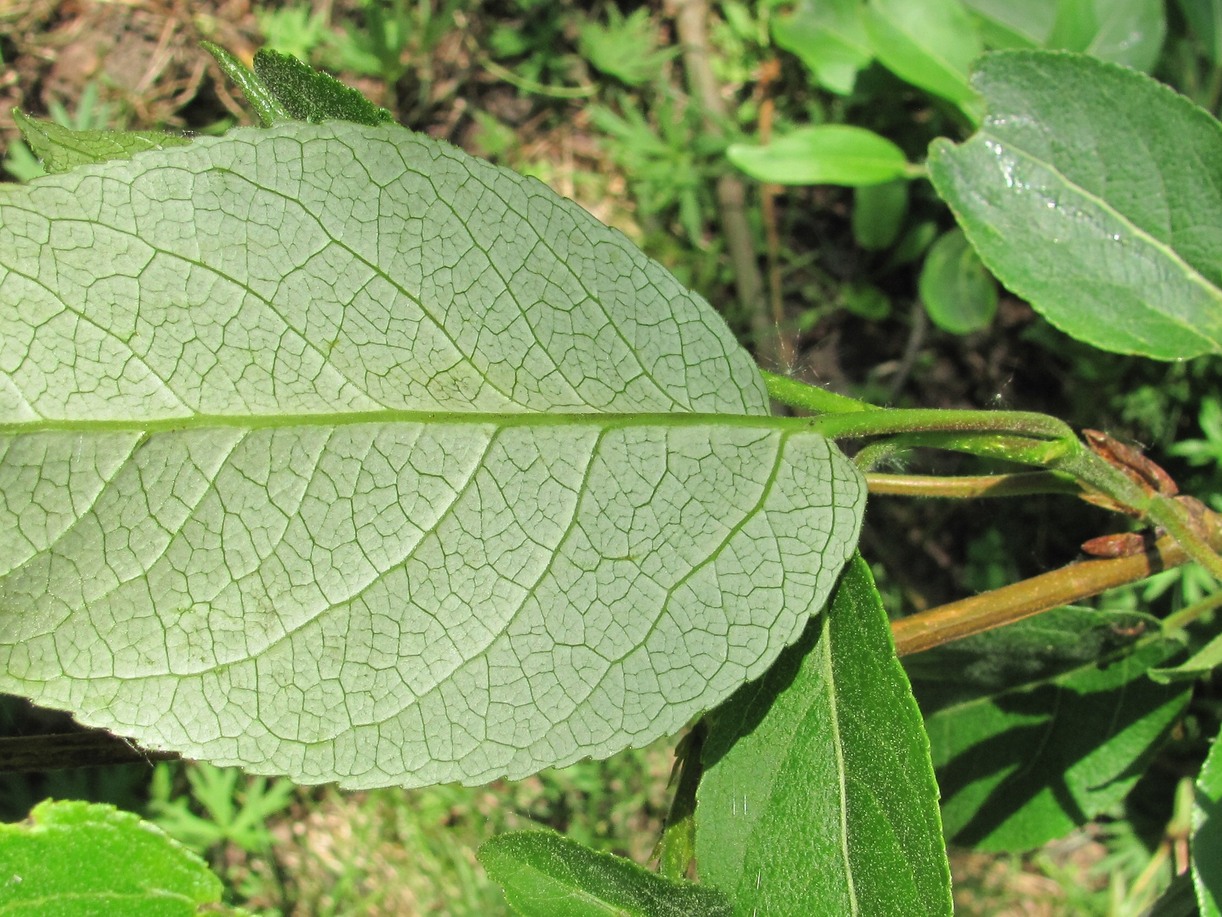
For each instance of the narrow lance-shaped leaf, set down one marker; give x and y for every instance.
(818, 796)
(328, 450)
(1094, 193)
(1207, 833)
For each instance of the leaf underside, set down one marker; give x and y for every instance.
(330, 451)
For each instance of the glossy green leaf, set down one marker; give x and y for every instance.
(1205, 19)
(547, 875)
(61, 149)
(77, 859)
(878, 214)
(1207, 833)
(959, 293)
(929, 43)
(818, 796)
(331, 451)
(309, 95)
(1040, 726)
(827, 154)
(1093, 192)
(829, 37)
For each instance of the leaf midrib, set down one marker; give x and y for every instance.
(393, 416)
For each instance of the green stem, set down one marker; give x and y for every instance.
(1016, 436)
(1191, 613)
(876, 422)
(528, 85)
(810, 397)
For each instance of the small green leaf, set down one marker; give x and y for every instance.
(1207, 833)
(312, 96)
(1040, 726)
(76, 859)
(258, 95)
(929, 43)
(62, 149)
(959, 293)
(829, 37)
(818, 796)
(1093, 192)
(827, 154)
(878, 214)
(547, 875)
(865, 301)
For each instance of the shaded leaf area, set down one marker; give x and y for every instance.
(76, 859)
(1198, 665)
(818, 795)
(331, 451)
(548, 875)
(1093, 192)
(959, 294)
(1207, 834)
(1040, 726)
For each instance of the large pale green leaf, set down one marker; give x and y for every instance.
(547, 875)
(1094, 192)
(330, 451)
(1207, 833)
(76, 859)
(818, 795)
(1038, 727)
